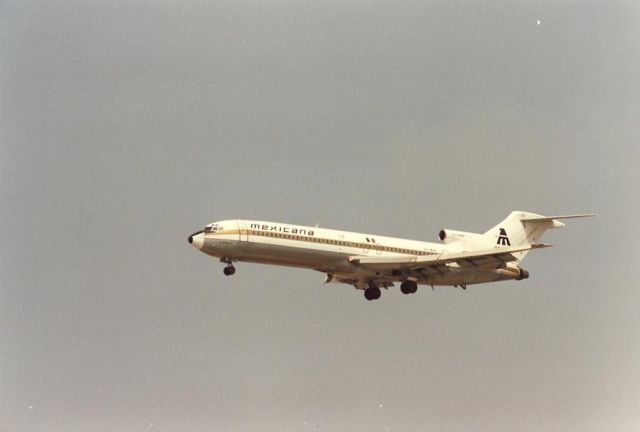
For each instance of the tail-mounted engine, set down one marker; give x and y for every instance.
(512, 272)
(522, 274)
(464, 239)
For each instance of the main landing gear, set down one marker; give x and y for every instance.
(408, 287)
(372, 293)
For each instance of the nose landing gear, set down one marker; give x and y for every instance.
(229, 269)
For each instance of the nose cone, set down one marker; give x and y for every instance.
(197, 240)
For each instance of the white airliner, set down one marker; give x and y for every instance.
(370, 262)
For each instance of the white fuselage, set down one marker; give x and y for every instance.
(325, 250)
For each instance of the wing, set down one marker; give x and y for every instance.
(490, 258)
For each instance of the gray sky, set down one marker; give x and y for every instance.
(127, 126)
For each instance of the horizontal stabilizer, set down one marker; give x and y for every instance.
(552, 218)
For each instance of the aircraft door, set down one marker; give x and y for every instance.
(243, 232)
(371, 245)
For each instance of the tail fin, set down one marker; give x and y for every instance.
(523, 228)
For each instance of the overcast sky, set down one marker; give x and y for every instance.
(127, 126)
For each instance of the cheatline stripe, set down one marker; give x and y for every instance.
(320, 240)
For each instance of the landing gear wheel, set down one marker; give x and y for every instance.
(408, 287)
(229, 270)
(372, 293)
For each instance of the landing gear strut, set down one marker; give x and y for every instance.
(408, 287)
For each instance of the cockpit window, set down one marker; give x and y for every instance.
(212, 229)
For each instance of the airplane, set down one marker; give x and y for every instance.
(370, 262)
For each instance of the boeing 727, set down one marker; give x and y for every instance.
(370, 262)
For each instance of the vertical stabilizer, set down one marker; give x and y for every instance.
(523, 228)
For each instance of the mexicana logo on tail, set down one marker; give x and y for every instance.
(503, 239)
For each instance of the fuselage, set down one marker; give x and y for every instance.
(322, 249)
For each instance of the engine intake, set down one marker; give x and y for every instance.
(468, 239)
